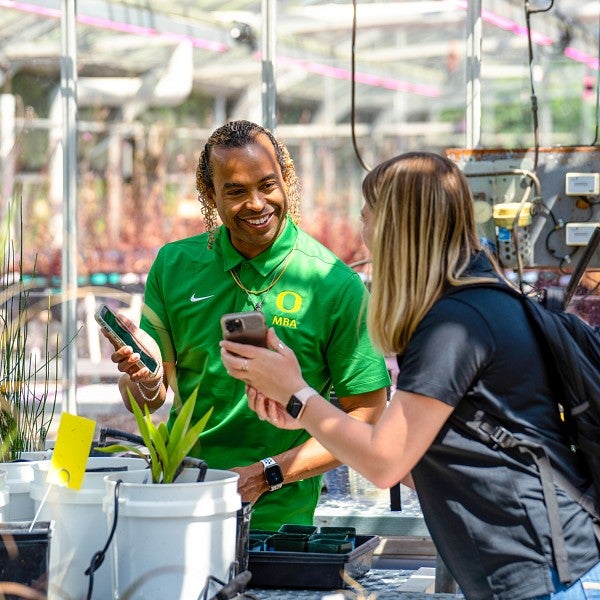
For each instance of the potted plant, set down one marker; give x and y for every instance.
(166, 450)
(28, 380)
(80, 526)
(174, 525)
(28, 389)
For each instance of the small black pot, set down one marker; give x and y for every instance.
(24, 555)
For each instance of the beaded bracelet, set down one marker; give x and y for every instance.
(143, 393)
(154, 388)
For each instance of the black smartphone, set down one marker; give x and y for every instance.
(245, 328)
(116, 330)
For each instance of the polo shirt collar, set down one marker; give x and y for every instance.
(480, 266)
(267, 260)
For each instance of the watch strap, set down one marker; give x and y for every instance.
(268, 462)
(271, 466)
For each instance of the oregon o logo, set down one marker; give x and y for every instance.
(289, 302)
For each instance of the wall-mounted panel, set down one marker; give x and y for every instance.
(546, 213)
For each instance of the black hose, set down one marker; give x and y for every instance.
(98, 557)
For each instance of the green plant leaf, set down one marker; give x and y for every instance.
(164, 431)
(160, 447)
(142, 424)
(182, 422)
(183, 446)
(167, 449)
(191, 437)
(123, 448)
(156, 447)
(139, 419)
(178, 431)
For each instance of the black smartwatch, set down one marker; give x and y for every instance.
(298, 401)
(273, 474)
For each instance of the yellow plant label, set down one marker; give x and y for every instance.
(71, 451)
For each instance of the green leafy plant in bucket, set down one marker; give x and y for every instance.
(167, 449)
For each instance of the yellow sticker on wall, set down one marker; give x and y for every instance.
(71, 451)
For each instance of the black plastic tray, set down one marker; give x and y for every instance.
(311, 570)
(29, 565)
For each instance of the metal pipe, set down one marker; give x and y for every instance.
(68, 90)
(473, 113)
(268, 64)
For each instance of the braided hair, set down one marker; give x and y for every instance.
(237, 134)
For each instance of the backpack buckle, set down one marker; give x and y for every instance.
(488, 431)
(500, 435)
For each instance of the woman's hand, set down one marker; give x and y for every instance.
(270, 410)
(271, 376)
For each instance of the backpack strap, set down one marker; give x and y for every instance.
(494, 434)
(551, 335)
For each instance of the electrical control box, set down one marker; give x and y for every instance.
(556, 189)
(579, 234)
(582, 184)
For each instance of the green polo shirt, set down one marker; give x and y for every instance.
(317, 307)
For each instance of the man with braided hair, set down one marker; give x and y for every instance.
(257, 259)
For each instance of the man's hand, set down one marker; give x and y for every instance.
(127, 360)
(251, 484)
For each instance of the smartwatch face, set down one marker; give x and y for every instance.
(294, 406)
(273, 475)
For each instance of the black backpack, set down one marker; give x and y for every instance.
(573, 348)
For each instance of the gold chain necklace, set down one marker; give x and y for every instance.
(276, 278)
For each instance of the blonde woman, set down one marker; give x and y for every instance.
(485, 510)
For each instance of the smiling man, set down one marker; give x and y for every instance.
(257, 259)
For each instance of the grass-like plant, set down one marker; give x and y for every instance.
(167, 449)
(28, 383)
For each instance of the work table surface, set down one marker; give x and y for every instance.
(382, 582)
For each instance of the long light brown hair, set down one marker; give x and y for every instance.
(424, 236)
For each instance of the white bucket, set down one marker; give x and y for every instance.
(79, 527)
(4, 496)
(170, 537)
(19, 478)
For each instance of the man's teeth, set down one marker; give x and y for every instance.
(260, 221)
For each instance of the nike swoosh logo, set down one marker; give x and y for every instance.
(194, 299)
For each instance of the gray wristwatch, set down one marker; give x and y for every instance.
(273, 473)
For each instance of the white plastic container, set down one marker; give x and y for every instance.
(170, 537)
(19, 478)
(4, 496)
(79, 526)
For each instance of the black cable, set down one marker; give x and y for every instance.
(566, 259)
(234, 587)
(98, 557)
(534, 103)
(353, 91)
(118, 434)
